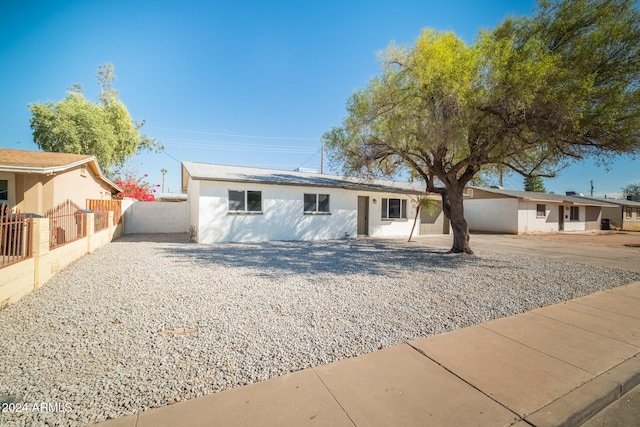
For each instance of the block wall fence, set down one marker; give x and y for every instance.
(18, 279)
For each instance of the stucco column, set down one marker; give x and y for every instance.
(90, 230)
(41, 235)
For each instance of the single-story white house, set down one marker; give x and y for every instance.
(519, 212)
(239, 204)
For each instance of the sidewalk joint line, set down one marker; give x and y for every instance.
(313, 368)
(518, 417)
(537, 349)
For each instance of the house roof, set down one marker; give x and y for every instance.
(224, 173)
(609, 202)
(543, 197)
(47, 163)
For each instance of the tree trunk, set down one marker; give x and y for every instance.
(453, 207)
(415, 220)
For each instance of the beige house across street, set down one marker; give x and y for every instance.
(620, 214)
(35, 181)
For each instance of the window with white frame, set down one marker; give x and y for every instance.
(638, 213)
(394, 208)
(245, 201)
(541, 211)
(629, 212)
(316, 203)
(4, 190)
(574, 213)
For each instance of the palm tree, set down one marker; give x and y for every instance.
(163, 171)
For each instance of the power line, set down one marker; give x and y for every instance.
(312, 156)
(242, 147)
(171, 156)
(234, 135)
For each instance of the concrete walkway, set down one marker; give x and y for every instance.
(554, 366)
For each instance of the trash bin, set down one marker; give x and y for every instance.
(605, 224)
(81, 222)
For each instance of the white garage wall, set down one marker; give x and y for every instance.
(492, 215)
(156, 217)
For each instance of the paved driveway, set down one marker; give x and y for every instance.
(609, 250)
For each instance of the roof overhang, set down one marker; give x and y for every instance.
(52, 170)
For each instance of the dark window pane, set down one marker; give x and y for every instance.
(309, 202)
(394, 208)
(323, 203)
(236, 200)
(574, 213)
(4, 189)
(541, 210)
(254, 201)
(403, 214)
(384, 208)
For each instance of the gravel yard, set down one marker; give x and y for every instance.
(147, 321)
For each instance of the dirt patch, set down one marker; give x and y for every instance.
(629, 240)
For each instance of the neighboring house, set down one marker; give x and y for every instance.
(519, 212)
(621, 214)
(229, 203)
(35, 181)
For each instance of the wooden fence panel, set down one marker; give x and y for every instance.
(96, 205)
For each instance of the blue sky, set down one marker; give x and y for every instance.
(244, 83)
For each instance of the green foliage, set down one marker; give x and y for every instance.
(632, 189)
(77, 125)
(527, 97)
(534, 183)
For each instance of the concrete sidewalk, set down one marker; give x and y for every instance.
(554, 366)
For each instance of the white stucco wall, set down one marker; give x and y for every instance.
(193, 198)
(529, 222)
(379, 227)
(574, 225)
(282, 215)
(492, 215)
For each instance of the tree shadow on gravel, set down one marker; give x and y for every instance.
(154, 238)
(341, 256)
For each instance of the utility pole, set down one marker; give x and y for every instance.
(322, 157)
(591, 187)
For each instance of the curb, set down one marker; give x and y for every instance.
(581, 404)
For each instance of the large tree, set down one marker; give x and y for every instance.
(77, 125)
(528, 96)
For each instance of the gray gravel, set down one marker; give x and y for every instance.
(145, 321)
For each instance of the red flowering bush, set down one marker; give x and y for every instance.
(135, 188)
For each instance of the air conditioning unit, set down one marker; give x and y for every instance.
(468, 192)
